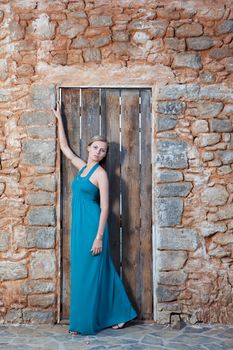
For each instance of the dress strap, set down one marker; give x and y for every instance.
(92, 170)
(81, 170)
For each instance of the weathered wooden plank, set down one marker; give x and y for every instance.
(110, 128)
(70, 113)
(89, 117)
(130, 187)
(146, 309)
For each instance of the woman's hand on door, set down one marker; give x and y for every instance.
(57, 111)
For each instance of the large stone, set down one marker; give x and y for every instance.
(169, 176)
(200, 43)
(72, 27)
(175, 44)
(225, 27)
(4, 241)
(40, 198)
(188, 30)
(172, 154)
(156, 28)
(140, 37)
(199, 126)
(225, 212)
(41, 300)
(36, 118)
(209, 139)
(169, 211)
(176, 91)
(166, 122)
(216, 195)
(38, 152)
(45, 182)
(43, 264)
(13, 270)
(208, 228)
(34, 237)
(100, 21)
(37, 316)
(37, 286)
(187, 60)
(177, 239)
(15, 30)
(225, 156)
(41, 216)
(43, 133)
(216, 91)
(43, 96)
(92, 55)
(176, 107)
(172, 277)
(221, 125)
(166, 294)
(209, 109)
(171, 260)
(42, 27)
(102, 41)
(181, 189)
(219, 53)
(213, 13)
(80, 43)
(14, 316)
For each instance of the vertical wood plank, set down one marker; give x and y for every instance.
(130, 185)
(70, 114)
(146, 309)
(110, 128)
(90, 117)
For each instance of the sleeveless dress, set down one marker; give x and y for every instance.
(98, 298)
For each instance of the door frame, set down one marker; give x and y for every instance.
(154, 94)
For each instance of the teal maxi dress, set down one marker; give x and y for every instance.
(98, 298)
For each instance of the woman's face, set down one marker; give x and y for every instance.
(97, 150)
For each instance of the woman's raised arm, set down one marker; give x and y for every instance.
(77, 161)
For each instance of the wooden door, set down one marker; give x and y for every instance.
(124, 117)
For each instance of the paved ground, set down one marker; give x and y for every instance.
(133, 337)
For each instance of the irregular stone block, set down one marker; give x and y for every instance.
(12, 270)
(80, 43)
(42, 96)
(225, 212)
(171, 260)
(120, 36)
(36, 118)
(218, 53)
(71, 28)
(92, 55)
(209, 109)
(200, 43)
(38, 132)
(216, 195)
(33, 237)
(181, 189)
(175, 44)
(225, 27)
(189, 29)
(208, 228)
(4, 241)
(169, 176)
(166, 294)
(204, 140)
(37, 316)
(41, 216)
(45, 182)
(172, 277)
(157, 28)
(40, 198)
(42, 27)
(225, 156)
(199, 126)
(102, 41)
(37, 286)
(216, 91)
(172, 154)
(41, 300)
(166, 123)
(14, 316)
(43, 264)
(38, 152)
(224, 170)
(177, 239)
(187, 60)
(207, 156)
(221, 125)
(171, 107)
(100, 21)
(169, 211)
(211, 13)
(176, 91)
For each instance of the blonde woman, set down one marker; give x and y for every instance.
(98, 298)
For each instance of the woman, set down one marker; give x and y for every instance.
(98, 298)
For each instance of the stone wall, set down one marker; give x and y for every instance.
(183, 50)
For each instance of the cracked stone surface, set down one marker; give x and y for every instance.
(135, 336)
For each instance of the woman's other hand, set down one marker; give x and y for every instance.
(96, 247)
(57, 111)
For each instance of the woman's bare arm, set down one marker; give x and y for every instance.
(78, 162)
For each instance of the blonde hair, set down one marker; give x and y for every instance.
(103, 139)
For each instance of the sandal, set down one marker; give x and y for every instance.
(119, 325)
(74, 332)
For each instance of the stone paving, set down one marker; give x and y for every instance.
(134, 336)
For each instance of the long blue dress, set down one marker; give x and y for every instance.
(98, 298)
